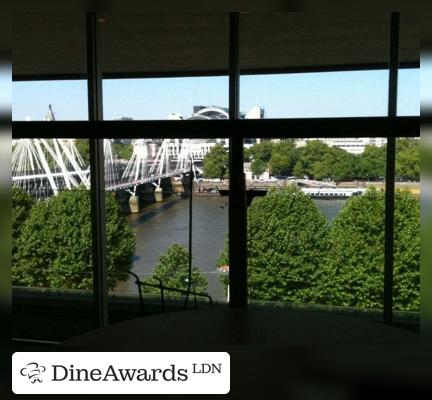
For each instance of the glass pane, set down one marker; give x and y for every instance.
(406, 294)
(409, 92)
(150, 196)
(49, 100)
(165, 98)
(49, 44)
(51, 239)
(49, 66)
(306, 65)
(316, 223)
(409, 38)
(317, 95)
(164, 65)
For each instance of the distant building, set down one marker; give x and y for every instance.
(200, 147)
(351, 145)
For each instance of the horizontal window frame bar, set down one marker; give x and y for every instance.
(202, 129)
(224, 72)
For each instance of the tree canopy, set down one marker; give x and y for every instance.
(354, 272)
(258, 167)
(216, 163)
(288, 237)
(173, 270)
(83, 147)
(319, 161)
(408, 159)
(122, 151)
(295, 256)
(22, 204)
(54, 248)
(261, 151)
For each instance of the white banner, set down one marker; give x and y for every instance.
(120, 373)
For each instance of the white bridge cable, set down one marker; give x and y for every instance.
(45, 167)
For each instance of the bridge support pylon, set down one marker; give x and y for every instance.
(158, 194)
(134, 204)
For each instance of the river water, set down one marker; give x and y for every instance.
(160, 225)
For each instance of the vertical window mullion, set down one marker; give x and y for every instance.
(237, 193)
(97, 173)
(390, 172)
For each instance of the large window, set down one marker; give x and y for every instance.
(316, 195)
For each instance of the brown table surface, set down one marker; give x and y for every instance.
(221, 326)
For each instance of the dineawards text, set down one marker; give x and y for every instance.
(112, 374)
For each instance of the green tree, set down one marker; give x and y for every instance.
(54, 249)
(215, 163)
(288, 242)
(262, 151)
(299, 170)
(173, 270)
(310, 155)
(258, 167)
(336, 164)
(224, 260)
(82, 145)
(246, 154)
(284, 157)
(371, 164)
(408, 158)
(22, 204)
(123, 151)
(354, 273)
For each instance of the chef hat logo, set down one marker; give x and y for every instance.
(33, 371)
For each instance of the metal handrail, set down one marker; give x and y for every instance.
(163, 288)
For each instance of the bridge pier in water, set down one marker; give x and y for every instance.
(134, 204)
(177, 187)
(158, 194)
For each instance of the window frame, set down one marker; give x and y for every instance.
(236, 130)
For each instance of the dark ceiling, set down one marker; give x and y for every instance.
(146, 44)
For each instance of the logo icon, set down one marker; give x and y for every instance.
(33, 371)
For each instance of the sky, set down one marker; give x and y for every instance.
(306, 95)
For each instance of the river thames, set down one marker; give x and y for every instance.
(160, 225)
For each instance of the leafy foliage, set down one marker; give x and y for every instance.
(83, 147)
(173, 270)
(283, 158)
(341, 265)
(408, 159)
(22, 203)
(288, 237)
(319, 161)
(371, 164)
(261, 151)
(258, 167)
(224, 260)
(54, 248)
(354, 273)
(122, 151)
(215, 163)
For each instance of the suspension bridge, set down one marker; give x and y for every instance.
(44, 167)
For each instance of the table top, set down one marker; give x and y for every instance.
(222, 326)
